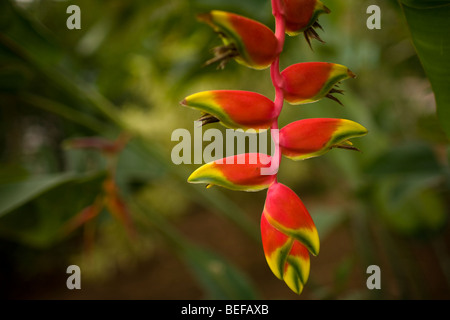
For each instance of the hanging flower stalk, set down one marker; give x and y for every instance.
(288, 232)
(109, 197)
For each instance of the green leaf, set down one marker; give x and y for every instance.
(33, 211)
(429, 24)
(18, 28)
(14, 195)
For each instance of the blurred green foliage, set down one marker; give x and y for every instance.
(428, 22)
(128, 68)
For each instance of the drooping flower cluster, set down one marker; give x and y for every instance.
(288, 232)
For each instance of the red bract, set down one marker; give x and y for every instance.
(311, 81)
(286, 212)
(247, 41)
(234, 109)
(310, 138)
(288, 259)
(288, 233)
(241, 172)
(301, 16)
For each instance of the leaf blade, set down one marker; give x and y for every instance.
(429, 24)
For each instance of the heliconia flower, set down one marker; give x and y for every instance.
(241, 172)
(296, 272)
(288, 235)
(301, 16)
(234, 109)
(286, 212)
(249, 42)
(310, 138)
(311, 81)
(287, 258)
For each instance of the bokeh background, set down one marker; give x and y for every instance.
(125, 71)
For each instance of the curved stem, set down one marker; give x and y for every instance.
(280, 24)
(277, 79)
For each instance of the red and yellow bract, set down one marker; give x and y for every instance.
(301, 15)
(240, 172)
(286, 212)
(310, 138)
(311, 81)
(234, 109)
(251, 43)
(288, 233)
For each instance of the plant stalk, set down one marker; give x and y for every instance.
(277, 79)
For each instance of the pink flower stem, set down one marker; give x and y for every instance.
(277, 79)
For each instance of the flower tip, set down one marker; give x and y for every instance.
(326, 9)
(351, 74)
(205, 174)
(357, 129)
(297, 290)
(205, 17)
(315, 248)
(184, 103)
(196, 176)
(193, 178)
(295, 284)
